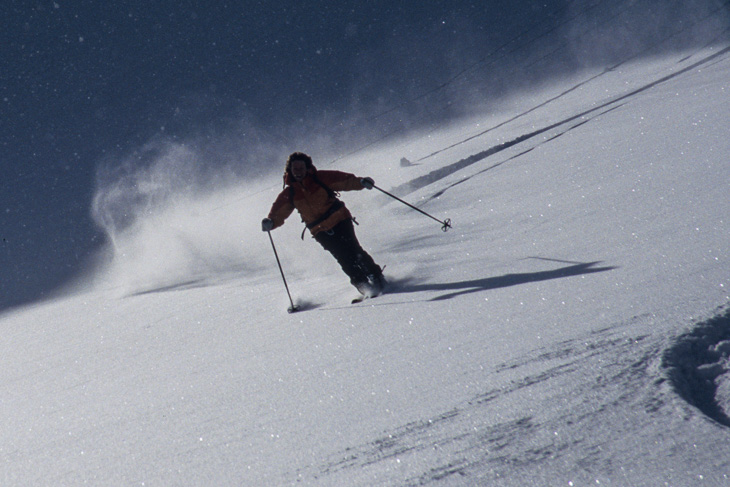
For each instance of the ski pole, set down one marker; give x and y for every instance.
(445, 225)
(294, 308)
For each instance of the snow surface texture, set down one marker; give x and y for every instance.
(573, 328)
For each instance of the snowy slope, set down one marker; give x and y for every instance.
(573, 328)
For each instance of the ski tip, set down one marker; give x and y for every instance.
(372, 295)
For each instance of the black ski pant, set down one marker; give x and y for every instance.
(342, 243)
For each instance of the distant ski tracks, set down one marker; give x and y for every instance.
(582, 118)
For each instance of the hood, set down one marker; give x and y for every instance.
(289, 179)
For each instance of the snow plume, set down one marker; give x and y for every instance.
(174, 218)
(186, 211)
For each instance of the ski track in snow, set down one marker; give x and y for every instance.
(585, 117)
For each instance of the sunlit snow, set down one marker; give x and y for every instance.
(571, 329)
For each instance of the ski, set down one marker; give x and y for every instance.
(370, 290)
(361, 298)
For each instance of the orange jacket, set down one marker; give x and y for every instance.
(312, 200)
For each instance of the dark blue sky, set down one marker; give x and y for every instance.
(81, 81)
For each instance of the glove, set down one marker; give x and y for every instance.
(267, 224)
(367, 183)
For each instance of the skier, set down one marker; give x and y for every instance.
(314, 194)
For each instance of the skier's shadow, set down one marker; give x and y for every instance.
(507, 280)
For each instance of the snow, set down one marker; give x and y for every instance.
(571, 329)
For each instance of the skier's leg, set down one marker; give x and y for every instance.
(362, 259)
(335, 244)
(342, 243)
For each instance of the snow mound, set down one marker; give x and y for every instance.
(698, 367)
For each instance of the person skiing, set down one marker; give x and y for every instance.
(314, 195)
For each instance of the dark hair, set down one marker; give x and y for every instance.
(298, 156)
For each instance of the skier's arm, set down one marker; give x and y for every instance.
(281, 209)
(341, 181)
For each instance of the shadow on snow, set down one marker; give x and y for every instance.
(476, 285)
